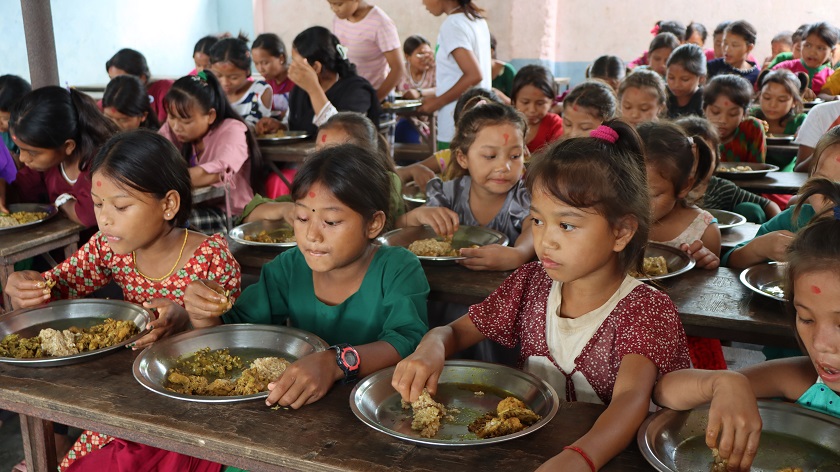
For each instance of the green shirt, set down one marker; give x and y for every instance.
(504, 81)
(389, 306)
(781, 57)
(781, 222)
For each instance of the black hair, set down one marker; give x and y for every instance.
(596, 95)
(744, 29)
(343, 170)
(471, 10)
(670, 26)
(799, 34)
(493, 42)
(473, 119)
(413, 42)
(362, 133)
(319, 44)
(791, 82)
(608, 177)
(703, 128)
(536, 76)
(128, 96)
(147, 162)
(611, 67)
(467, 97)
(733, 87)
(696, 28)
(12, 88)
(721, 27)
(690, 57)
(785, 37)
(663, 40)
(646, 78)
(830, 138)
(233, 50)
(132, 62)
(204, 44)
(826, 32)
(271, 43)
(49, 116)
(206, 94)
(680, 159)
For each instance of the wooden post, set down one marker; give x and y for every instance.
(40, 42)
(38, 444)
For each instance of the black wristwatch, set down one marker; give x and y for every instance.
(348, 360)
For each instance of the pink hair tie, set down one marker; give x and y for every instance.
(605, 133)
(655, 30)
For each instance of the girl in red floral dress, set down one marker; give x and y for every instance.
(141, 194)
(585, 326)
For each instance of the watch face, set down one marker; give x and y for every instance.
(350, 358)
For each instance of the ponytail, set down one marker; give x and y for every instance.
(471, 10)
(93, 129)
(705, 158)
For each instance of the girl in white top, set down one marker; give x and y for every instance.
(230, 62)
(462, 60)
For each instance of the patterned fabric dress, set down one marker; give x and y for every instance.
(95, 264)
(749, 144)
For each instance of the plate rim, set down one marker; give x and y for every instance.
(442, 443)
(741, 218)
(280, 139)
(749, 173)
(504, 242)
(746, 272)
(236, 230)
(688, 267)
(50, 209)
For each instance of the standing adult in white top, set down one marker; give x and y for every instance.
(820, 119)
(462, 60)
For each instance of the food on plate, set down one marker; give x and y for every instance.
(275, 237)
(278, 134)
(738, 169)
(21, 218)
(718, 463)
(54, 343)
(433, 247)
(211, 373)
(652, 267)
(511, 416)
(776, 290)
(401, 104)
(427, 414)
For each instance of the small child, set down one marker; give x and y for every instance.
(230, 62)
(131, 62)
(674, 27)
(484, 187)
(717, 40)
(127, 103)
(696, 33)
(610, 69)
(219, 147)
(586, 327)
(201, 53)
(533, 95)
(271, 60)
(642, 97)
(586, 107)
(686, 74)
(818, 44)
(337, 283)
(795, 49)
(781, 43)
(12, 89)
(59, 131)
(502, 73)
(725, 102)
(660, 49)
(813, 382)
(779, 102)
(738, 41)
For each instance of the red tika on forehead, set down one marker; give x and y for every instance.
(324, 138)
(816, 290)
(311, 194)
(98, 183)
(506, 136)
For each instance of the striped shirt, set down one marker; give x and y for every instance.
(747, 145)
(367, 41)
(722, 194)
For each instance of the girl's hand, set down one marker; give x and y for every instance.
(267, 125)
(490, 257)
(774, 245)
(172, 318)
(419, 370)
(808, 95)
(421, 175)
(205, 302)
(430, 105)
(27, 289)
(442, 220)
(734, 426)
(303, 75)
(411, 94)
(306, 381)
(705, 258)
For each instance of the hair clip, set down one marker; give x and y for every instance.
(690, 141)
(342, 50)
(202, 75)
(481, 102)
(151, 99)
(655, 30)
(604, 133)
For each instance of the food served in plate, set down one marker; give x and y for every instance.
(401, 104)
(277, 134)
(427, 414)
(511, 416)
(17, 218)
(275, 237)
(54, 343)
(210, 373)
(777, 290)
(433, 247)
(652, 267)
(738, 169)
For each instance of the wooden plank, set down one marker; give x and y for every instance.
(38, 444)
(292, 152)
(731, 237)
(17, 241)
(775, 182)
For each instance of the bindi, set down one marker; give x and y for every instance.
(506, 136)
(816, 290)
(98, 183)
(575, 107)
(311, 194)
(324, 138)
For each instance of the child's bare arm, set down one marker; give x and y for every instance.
(397, 65)
(273, 211)
(495, 257)
(202, 178)
(768, 246)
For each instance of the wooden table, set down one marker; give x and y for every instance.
(292, 152)
(775, 182)
(18, 245)
(731, 237)
(711, 303)
(207, 194)
(322, 436)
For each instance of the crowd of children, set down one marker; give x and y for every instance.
(579, 187)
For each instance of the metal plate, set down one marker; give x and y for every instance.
(678, 261)
(33, 207)
(813, 103)
(248, 341)
(254, 228)
(780, 138)
(727, 219)
(466, 236)
(766, 279)
(791, 435)
(758, 170)
(411, 193)
(377, 404)
(401, 106)
(282, 137)
(63, 314)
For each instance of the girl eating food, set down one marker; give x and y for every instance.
(585, 326)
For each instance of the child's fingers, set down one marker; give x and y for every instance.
(712, 431)
(750, 451)
(726, 440)
(279, 387)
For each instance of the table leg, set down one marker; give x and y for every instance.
(6, 270)
(38, 444)
(70, 249)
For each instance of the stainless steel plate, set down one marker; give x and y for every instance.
(282, 137)
(766, 279)
(377, 404)
(758, 170)
(63, 314)
(813, 103)
(34, 207)
(678, 261)
(727, 219)
(780, 138)
(247, 341)
(413, 194)
(791, 436)
(401, 106)
(254, 228)
(466, 236)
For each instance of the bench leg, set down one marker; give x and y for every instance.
(38, 444)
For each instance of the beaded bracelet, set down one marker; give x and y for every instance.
(584, 455)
